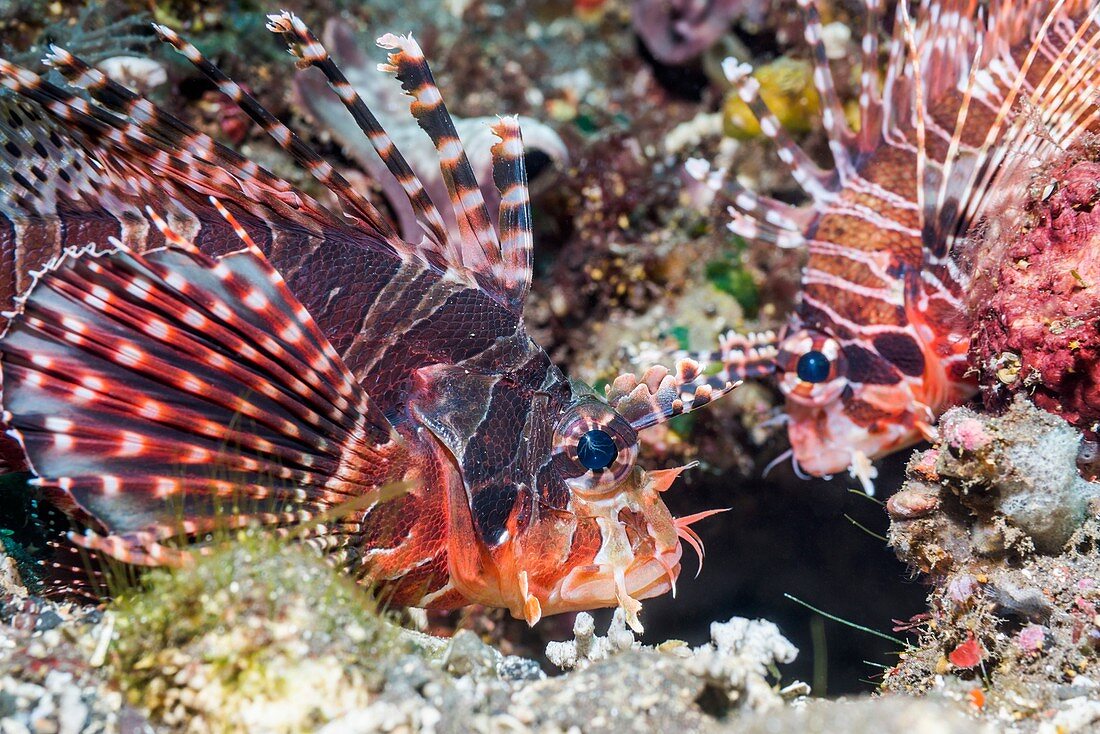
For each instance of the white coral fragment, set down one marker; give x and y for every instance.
(137, 73)
(736, 662)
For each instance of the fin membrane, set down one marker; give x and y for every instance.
(170, 392)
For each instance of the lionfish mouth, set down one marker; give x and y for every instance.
(640, 559)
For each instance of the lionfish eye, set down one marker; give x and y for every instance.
(596, 450)
(813, 366)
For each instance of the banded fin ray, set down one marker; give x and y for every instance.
(167, 129)
(247, 414)
(305, 46)
(478, 256)
(287, 139)
(146, 160)
(506, 270)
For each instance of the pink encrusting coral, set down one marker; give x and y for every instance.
(1037, 310)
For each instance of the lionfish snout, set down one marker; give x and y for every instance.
(613, 542)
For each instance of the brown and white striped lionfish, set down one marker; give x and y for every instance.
(201, 343)
(975, 97)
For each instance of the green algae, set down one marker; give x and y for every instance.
(260, 634)
(730, 276)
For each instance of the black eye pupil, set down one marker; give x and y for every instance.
(596, 450)
(813, 367)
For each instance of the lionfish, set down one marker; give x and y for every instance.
(976, 96)
(201, 345)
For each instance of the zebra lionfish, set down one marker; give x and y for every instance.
(975, 96)
(198, 342)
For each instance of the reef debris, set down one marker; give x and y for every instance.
(678, 31)
(261, 635)
(998, 516)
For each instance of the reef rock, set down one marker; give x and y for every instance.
(993, 485)
(999, 516)
(1036, 303)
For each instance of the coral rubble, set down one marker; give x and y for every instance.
(999, 516)
(262, 636)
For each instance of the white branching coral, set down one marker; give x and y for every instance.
(736, 662)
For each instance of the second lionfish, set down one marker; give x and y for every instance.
(201, 345)
(976, 98)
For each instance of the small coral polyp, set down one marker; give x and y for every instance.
(1037, 304)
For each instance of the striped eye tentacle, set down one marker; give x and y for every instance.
(406, 61)
(306, 47)
(172, 393)
(659, 394)
(747, 356)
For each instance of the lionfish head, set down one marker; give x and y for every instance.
(626, 544)
(566, 519)
(841, 413)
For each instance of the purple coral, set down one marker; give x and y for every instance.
(676, 31)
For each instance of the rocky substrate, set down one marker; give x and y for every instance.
(265, 637)
(998, 516)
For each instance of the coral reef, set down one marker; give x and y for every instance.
(50, 679)
(261, 636)
(264, 637)
(1037, 304)
(999, 516)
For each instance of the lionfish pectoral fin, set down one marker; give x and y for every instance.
(170, 394)
(699, 378)
(143, 124)
(124, 153)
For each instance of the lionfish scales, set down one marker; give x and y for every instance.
(975, 97)
(194, 343)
